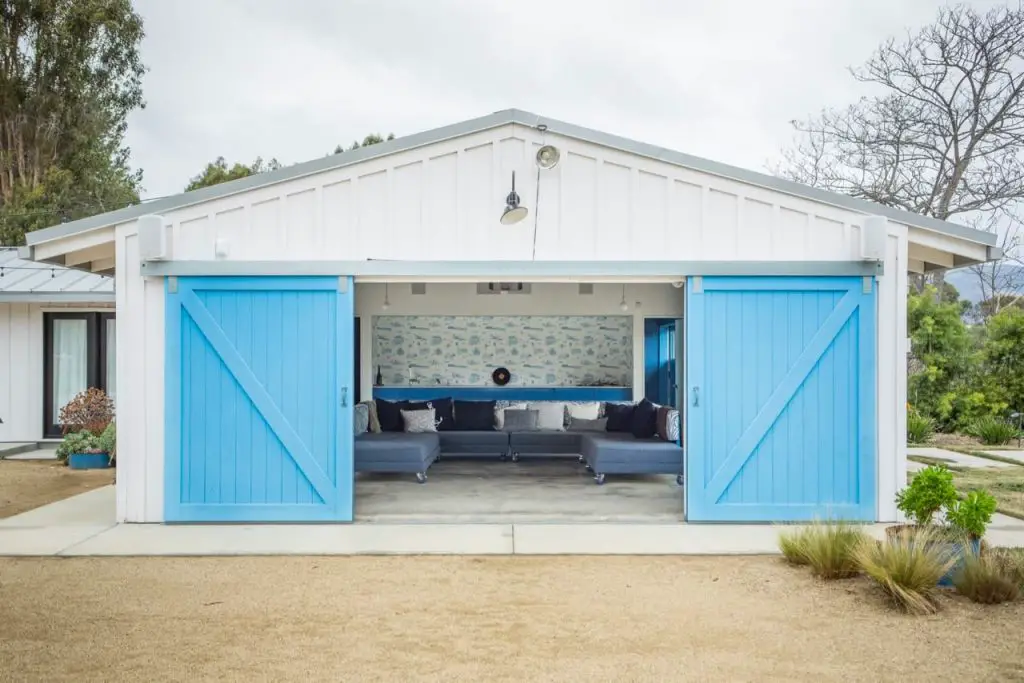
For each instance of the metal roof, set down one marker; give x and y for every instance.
(501, 118)
(28, 281)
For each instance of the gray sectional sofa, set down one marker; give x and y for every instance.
(602, 452)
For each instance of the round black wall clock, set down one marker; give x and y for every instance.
(501, 376)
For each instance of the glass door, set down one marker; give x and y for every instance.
(79, 353)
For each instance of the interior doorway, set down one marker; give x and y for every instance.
(660, 354)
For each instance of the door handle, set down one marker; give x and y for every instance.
(696, 396)
(344, 397)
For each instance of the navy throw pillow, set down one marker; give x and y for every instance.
(389, 413)
(474, 416)
(645, 420)
(620, 416)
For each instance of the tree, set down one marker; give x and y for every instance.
(1003, 354)
(944, 136)
(218, 172)
(371, 139)
(70, 73)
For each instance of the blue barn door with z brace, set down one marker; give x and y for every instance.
(258, 399)
(781, 398)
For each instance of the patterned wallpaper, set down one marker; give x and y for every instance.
(538, 350)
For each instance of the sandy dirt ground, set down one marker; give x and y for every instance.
(28, 484)
(480, 619)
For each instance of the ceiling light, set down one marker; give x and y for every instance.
(623, 306)
(513, 213)
(387, 304)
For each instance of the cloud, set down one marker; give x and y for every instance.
(292, 80)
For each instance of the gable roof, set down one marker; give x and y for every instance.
(28, 281)
(507, 116)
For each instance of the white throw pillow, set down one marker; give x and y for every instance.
(550, 415)
(585, 411)
(499, 414)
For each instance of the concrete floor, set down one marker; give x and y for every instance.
(534, 491)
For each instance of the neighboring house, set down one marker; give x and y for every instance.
(238, 306)
(57, 337)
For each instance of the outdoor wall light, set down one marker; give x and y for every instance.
(513, 213)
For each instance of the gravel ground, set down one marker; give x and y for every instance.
(480, 619)
(28, 484)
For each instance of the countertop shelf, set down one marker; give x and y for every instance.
(398, 392)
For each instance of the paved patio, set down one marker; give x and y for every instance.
(954, 458)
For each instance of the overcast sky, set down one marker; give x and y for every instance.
(292, 78)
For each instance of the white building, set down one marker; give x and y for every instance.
(57, 338)
(793, 299)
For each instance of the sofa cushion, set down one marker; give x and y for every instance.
(499, 412)
(474, 443)
(474, 416)
(580, 425)
(520, 420)
(620, 416)
(544, 443)
(389, 414)
(419, 421)
(444, 412)
(624, 453)
(395, 446)
(584, 411)
(644, 422)
(550, 415)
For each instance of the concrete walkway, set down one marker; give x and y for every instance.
(1013, 455)
(953, 458)
(84, 525)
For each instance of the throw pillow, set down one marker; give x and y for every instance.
(389, 413)
(550, 415)
(661, 428)
(673, 430)
(360, 418)
(474, 416)
(371, 406)
(579, 425)
(620, 416)
(644, 420)
(419, 421)
(519, 420)
(499, 413)
(444, 409)
(585, 411)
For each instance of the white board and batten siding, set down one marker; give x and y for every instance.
(442, 202)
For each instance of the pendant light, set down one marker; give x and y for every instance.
(387, 304)
(623, 306)
(513, 213)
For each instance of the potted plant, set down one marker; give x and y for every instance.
(90, 437)
(931, 492)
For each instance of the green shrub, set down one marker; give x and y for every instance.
(972, 515)
(930, 491)
(992, 431)
(908, 567)
(87, 442)
(919, 427)
(107, 442)
(829, 547)
(983, 578)
(793, 544)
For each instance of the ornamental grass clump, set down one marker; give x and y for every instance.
(992, 431)
(829, 549)
(984, 578)
(793, 545)
(908, 567)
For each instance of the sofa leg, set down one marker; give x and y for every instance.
(421, 477)
(582, 459)
(515, 456)
(679, 479)
(599, 478)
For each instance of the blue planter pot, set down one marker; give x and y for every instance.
(88, 461)
(959, 550)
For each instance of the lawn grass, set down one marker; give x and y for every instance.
(1005, 483)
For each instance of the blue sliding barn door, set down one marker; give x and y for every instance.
(258, 399)
(781, 398)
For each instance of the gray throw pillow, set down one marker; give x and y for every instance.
(419, 421)
(361, 418)
(520, 420)
(598, 425)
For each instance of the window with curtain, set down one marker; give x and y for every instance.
(80, 351)
(110, 339)
(70, 361)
